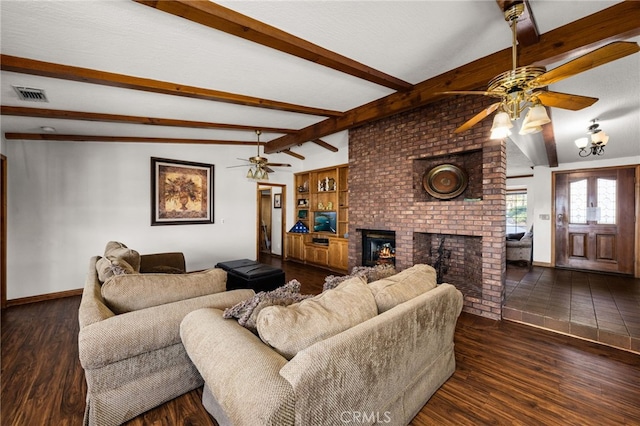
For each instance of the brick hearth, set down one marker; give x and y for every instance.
(387, 160)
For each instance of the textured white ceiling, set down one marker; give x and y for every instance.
(411, 40)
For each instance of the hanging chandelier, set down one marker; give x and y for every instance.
(598, 141)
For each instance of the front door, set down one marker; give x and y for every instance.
(594, 215)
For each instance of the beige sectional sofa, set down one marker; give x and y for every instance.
(129, 342)
(360, 353)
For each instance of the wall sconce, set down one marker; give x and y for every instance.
(598, 141)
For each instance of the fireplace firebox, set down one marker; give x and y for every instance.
(378, 247)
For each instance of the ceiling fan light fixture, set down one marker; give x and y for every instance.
(501, 125)
(529, 130)
(534, 120)
(250, 174)
(537, 116)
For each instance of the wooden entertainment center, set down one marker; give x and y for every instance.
(322, 205)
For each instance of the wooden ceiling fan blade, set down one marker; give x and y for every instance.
(267, 169)
(239, 165)
(593, 59)
(565, 100)
(478, 118)
(278, 164)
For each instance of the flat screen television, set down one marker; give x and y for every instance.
(324, 222)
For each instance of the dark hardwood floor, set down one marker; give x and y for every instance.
(506, 373)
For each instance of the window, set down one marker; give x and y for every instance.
(583, 193)
(516, 212)
(606, 196)
(578, 201)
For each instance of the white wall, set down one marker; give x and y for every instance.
(66, 200)
(540, 200)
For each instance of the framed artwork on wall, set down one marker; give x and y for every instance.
(181, 192)
(277, 201)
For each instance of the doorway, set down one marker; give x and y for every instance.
(595, 220)
(270, 220)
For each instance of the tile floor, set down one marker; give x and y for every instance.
(603, 308)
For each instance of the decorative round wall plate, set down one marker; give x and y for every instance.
(445, 181)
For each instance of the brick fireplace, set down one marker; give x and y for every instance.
(387, 162)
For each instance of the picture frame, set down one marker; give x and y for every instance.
(277, 201)
(181, 192)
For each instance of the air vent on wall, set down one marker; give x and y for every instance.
(30, 94)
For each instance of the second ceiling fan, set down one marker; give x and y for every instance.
(260, 167)
(523, 87)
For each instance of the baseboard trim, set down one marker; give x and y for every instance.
(43, 297)
(545, 264)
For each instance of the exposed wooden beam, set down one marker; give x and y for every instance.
(325, 145)
(293, 154)
(117, 118)
(223, 19)
(135, 139)
(527, 30)
(616, 23)
(86, 75)
(549, 138)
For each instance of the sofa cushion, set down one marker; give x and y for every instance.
(290, 329)
(246, 312)
(391, 291)
(125, 293)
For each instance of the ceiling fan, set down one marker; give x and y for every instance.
(260, 167)
(524, 86)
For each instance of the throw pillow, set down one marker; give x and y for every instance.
(246, 312)
(396, 289)
(290, 329)
(527, 236)
(109, 266)
(333, 281)
(370, 273)
(120, 251)
(126, 293)
(374, 273)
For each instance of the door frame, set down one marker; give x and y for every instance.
(3, 232)
(636, 273)
(259, 187)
